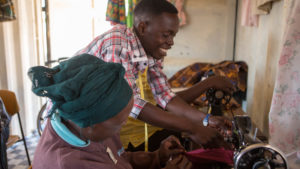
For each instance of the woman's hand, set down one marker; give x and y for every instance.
(179, 162)
(169, 148)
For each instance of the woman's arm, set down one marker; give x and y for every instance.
(170, 148)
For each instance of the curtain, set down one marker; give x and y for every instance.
(284, 116)
(18, 52)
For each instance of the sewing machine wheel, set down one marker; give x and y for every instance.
(217, 97)
(260, 156)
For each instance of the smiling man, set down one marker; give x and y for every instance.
(141, 51)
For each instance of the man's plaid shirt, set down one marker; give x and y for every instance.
(121, 45)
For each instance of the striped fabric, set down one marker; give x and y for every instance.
(121, 45)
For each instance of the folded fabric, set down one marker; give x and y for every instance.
(205, 156)
(7, 12)
(192, 74)
(264, 6)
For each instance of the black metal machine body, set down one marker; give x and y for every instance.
(250, 152)
(217, 99)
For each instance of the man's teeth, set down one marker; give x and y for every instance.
(164, 50)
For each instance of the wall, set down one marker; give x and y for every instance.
(207, 37)
(260, 48)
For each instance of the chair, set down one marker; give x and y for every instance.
(12, 108)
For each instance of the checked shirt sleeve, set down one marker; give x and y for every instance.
(121, 55)
(159, 85)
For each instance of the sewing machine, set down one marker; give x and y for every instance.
(249, 151)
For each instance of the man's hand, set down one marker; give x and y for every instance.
(223, 124)
(220, 83)
(169, 148)
(207, 137)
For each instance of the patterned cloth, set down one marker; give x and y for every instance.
(7, 12)
(121, 45)
(116, 12)
(190, 75)
(284, 114)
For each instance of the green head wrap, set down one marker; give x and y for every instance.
(84, 89)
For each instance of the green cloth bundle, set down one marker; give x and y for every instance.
(84, 89)
(7, 12)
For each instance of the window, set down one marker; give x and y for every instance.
(71, 25)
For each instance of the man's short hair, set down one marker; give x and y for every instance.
(154, 8)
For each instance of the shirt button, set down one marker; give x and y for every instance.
(136, 53)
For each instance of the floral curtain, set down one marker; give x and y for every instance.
(284, 116)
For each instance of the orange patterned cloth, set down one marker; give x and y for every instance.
(190, 75)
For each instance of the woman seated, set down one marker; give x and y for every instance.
(92, 100)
